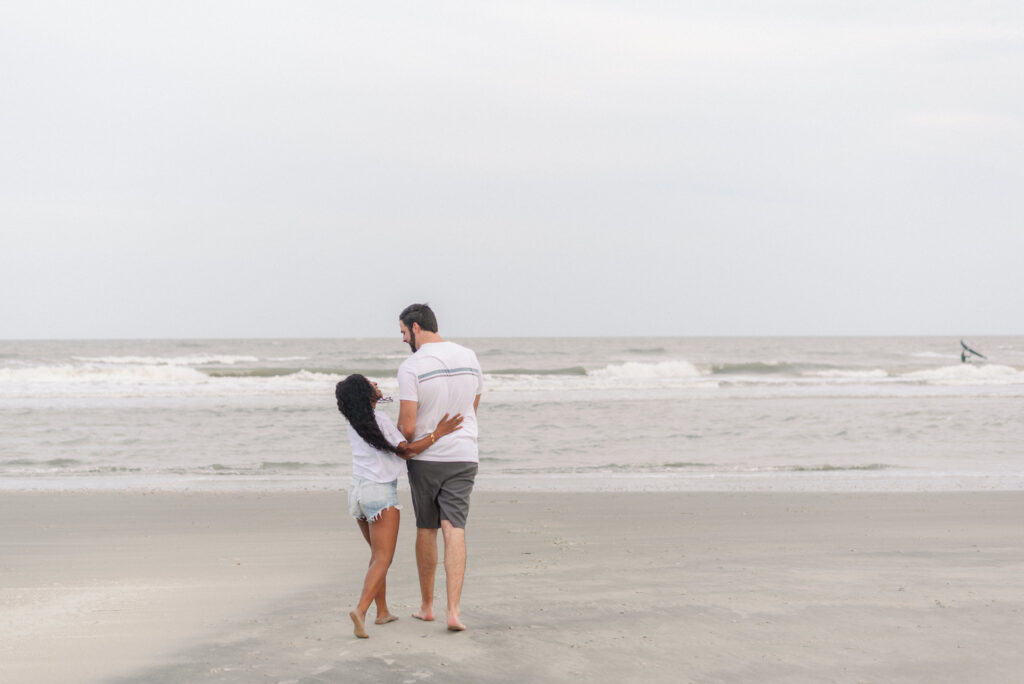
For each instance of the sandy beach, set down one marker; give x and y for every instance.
(246, 587)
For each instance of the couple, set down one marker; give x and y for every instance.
(439, 389)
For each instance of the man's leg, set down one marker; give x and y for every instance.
(454, 570)
(426, 564)
(423, 489)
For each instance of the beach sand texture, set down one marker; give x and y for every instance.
(693, 587)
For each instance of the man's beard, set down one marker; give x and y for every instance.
(412, 341)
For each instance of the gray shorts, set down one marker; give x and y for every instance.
(440, 491)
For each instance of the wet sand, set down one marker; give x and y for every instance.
(698, 587)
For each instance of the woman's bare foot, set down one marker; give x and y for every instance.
(425, 615)
(455, 625)
(360, 629)
(385, 619)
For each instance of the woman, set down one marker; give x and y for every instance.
(377, 452)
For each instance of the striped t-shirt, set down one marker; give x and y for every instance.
(443, 377)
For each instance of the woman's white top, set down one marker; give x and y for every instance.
(373, 464)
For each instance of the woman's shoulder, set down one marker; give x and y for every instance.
(388, 428)
(382, 418)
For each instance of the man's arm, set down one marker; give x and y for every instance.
(476, 403)
(448, 425)
(407, 418)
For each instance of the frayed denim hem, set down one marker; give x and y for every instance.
(376, 517)
(367, 499)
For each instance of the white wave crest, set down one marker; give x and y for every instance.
(848, 374)
(196, 360)
(934, 355)
(308, 376)
(634, 369)
(968, 374)
(153, 381)
(93, 374)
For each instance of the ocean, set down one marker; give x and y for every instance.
(558, 414)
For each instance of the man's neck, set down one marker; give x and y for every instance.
(425, 337)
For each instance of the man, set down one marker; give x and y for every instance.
(440, 377)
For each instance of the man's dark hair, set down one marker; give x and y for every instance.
(419, 313)
(355, 401)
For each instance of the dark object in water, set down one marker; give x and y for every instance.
(967, 350)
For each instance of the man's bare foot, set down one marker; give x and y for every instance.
(360, 629)
(425, 615)
(385, 619)
(455, 625)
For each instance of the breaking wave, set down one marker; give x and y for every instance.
(968, 374)
(574, 370)
(662, 369)
(826, 468)
(848, 374)
(197, 360)
(773, 368)
(91, 373)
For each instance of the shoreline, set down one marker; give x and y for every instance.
(833, 480)
(749, 586)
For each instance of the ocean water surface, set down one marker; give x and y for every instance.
(592, 414)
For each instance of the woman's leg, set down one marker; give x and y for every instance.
(383, 613)
(382, 535)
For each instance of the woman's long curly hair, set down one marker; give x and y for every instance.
(355, 401)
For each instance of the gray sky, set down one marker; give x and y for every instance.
(251, 169)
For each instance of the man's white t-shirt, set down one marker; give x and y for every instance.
(373, 464)
(443, 377)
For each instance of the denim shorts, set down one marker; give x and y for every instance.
(368, 499)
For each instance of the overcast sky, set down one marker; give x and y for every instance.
(306, 169)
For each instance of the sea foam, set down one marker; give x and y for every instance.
(94, 373)
(968, 374)
(634, 369)
(841, 374)
(196, 360)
